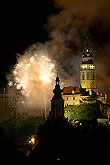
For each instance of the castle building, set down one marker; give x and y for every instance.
(83, 93)
(71, 95)
(57, 103)
(8, 103)
(76, 95)
(87, 70)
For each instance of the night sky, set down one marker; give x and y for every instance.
(22, 25)
(61, 22)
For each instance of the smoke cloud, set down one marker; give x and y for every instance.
(72, 23)
(34, 76)
(67, 30)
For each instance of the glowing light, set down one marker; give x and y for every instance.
(88, 67)
(92, 67)
(10, 83)
(46, 70)
(33, 140)
(84, 66)
(45, 77)
(34, 76)
(23, 102)
(38, 69)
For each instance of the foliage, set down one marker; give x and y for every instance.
(83, 111)
(18, 130)
(104, 109)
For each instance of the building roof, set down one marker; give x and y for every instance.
(87, 55)
(71, 90)
(57, 90)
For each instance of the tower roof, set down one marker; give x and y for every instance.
(87, 55)
(57, 90)
(87, 43)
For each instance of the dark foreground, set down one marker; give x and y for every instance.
(60, 141)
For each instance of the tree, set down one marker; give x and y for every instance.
(83, 111)
(19, 130)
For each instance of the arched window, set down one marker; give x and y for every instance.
(93, 76)
(83, 76)
(73, 98)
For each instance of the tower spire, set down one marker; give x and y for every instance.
(87, 68)
(57, 79)
(57, 102)
(87, 40)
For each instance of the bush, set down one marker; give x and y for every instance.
(83, 111)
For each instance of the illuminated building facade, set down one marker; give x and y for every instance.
(87, 70)
(71, 95)
(76, 95)
(8, 103)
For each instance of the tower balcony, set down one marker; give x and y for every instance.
(87, 66)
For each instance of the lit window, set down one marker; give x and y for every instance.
(92, 67)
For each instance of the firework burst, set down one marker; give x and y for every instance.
(34, 76)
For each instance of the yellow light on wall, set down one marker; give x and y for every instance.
(88, 67)
(84, 66)
(92, 67)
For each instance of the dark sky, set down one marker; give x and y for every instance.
(23, 25)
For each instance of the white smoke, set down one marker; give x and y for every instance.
(35, 70)
(34, 76)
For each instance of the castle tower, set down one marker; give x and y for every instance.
(87, 70)
(57, 102)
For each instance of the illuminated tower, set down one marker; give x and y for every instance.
(57, 102)
(87, 70)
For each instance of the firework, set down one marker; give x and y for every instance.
(34, 76)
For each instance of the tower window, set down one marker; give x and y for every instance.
(73, 98)
(83, 76)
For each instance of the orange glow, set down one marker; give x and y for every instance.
(33, 140)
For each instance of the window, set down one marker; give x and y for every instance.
(83, 76)
(89, 76)
(73, 98)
